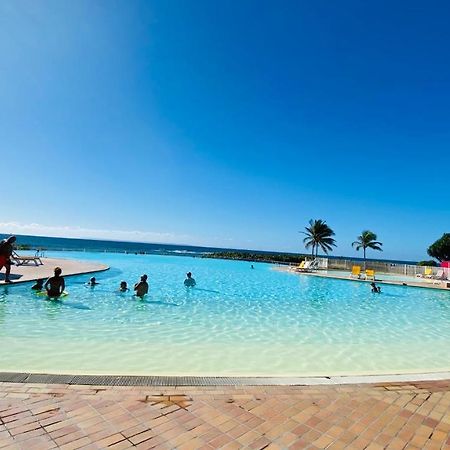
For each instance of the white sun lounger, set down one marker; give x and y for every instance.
(25, 260)
(439, 275)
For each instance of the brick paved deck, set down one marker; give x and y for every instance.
(393, 416)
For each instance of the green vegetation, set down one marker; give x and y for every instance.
(441, 248)
(22, 247)
(319, 235)
(257, 257)
(430, 263)
(367, 239)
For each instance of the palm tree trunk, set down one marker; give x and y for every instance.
(364, 250)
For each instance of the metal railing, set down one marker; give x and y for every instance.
(409, 270)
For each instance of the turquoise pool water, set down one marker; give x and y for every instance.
(237, 321)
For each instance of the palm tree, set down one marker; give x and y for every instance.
(319, 234)
(367, 239)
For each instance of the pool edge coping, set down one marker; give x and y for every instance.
(101, 268)
(174, 381)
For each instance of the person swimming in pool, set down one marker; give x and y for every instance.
(141, 288)
(123, 287)
(38, 286)
(375, 289)
(189, 281)
(92, 282)
(55, 285)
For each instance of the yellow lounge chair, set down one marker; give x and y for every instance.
(428, 272)
(303, 266)
(297, 267)
(370, 274)
(356, 271)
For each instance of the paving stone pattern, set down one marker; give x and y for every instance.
(389, 415)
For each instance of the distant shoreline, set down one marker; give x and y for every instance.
(46, 243)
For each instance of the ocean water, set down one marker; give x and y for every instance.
(236, 321)
(92, 245)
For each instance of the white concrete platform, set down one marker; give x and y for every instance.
(22, 274)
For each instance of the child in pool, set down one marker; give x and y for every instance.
(123, 286)
(38, 286)
(375, 289)
(92, 282)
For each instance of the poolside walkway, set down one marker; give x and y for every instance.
(380, 416)
(22, 274)
(420, 282)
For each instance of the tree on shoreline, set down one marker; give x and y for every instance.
(367, 239)
(441, 248)
(319, 235)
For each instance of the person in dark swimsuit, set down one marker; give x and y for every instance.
(375, 289)
(189, 281)
(141, 288)
(6, 250)
(92, 282)
(38, 286)
(55, 285)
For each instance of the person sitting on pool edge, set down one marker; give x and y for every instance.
(92, 282)
(55, 285)
(39, 285)
(141, 288)
(123, 286)
(375, 289)
(189, 281)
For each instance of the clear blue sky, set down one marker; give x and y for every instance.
(226, 123)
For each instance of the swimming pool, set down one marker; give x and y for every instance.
(237, 321)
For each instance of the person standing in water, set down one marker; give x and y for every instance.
(141, 288)
(6, 250)
(189, 281)
(55, 285)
